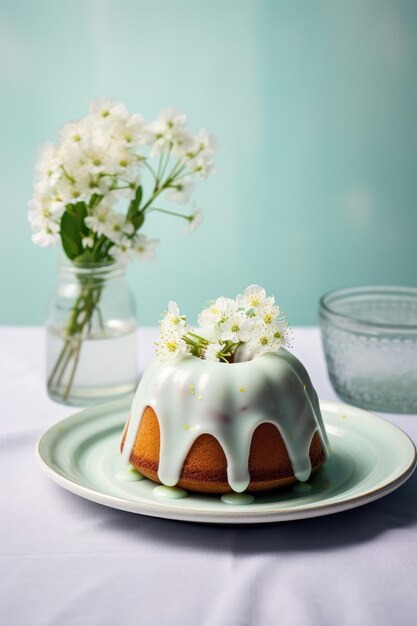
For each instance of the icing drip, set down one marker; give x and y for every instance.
(130, 475)
(192, 397)
(172, 493)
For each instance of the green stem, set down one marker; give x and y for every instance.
(174, 173)
(73, 371)
(167, 157)
(58, 362)
(174, 213)
(201, 339)
(77, 329)
(65, 364)
(152, 171)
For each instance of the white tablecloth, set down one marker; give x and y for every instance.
(68, 561)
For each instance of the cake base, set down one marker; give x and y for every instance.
(205, 466)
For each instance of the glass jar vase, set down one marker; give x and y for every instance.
(91, 335)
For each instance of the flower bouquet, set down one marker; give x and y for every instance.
(100, 161)
(229, 330)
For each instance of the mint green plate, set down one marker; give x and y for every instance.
(370, 458)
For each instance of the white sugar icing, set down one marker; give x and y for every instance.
(172, 493)
(229, 401)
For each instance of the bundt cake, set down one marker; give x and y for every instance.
(224, 407)
(214, 427)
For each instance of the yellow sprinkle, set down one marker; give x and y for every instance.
(199, 397)
(344, 417)
(304, 386)
(191, 392)
(186, 427)
(242, 389)
(191, 386)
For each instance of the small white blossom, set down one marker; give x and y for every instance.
(203, 143)
(144, 248)
(254, 297)
(129, 131)
(194, 220)
(48, 163)
(87, 242)
(217, 312)
(266, 338)
(267, 312)
(44, 208)
(172, 319)
(180, 191)
(88, 184)
(95, 159)
(98, 222)
(47, 235)
(167, 132)
(213, 351)
(104, 108)
(116, 227)
(236, 327)
(170, 346)
(74, 134)
(202, 167)
(122, 251)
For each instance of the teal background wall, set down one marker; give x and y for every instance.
(313, 104)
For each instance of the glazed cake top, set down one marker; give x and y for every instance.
(192, 396)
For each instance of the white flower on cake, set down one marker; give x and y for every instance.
(171, 345)
(213, 351)
(172, 319)
(254, 297)
(236, 327)
(267, 312)
(229, 330)
(266, 338)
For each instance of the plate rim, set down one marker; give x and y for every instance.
(244, 516)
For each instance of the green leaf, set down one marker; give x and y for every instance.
(73, 229)
(94, 200)
(138, 220)
(135, 204)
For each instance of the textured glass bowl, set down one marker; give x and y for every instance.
(370, 341)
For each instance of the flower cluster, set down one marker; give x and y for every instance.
(229, 330)
(101, 160)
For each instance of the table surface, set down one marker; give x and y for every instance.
(68, 561)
